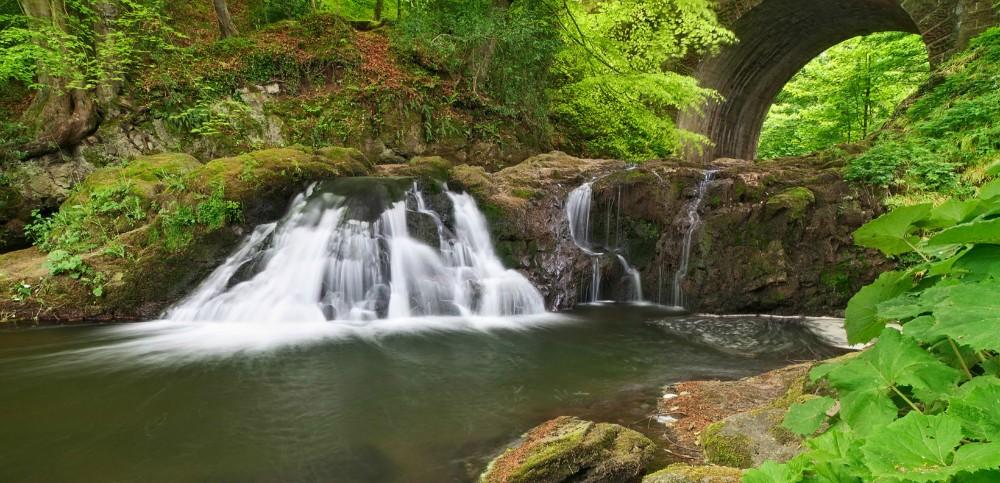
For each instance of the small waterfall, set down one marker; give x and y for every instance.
(693, 222)
(578, 214)
(326, 261)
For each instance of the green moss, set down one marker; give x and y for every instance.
(567, 447)
(684, 473)
(733, 450)
(430, 167)
(473, 178)
(795, 200)
(525, 193)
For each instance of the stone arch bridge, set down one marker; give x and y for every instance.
(779, 37)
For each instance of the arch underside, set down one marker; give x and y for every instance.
(777, 38)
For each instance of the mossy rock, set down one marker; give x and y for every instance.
(473, 179)
(748, 439)
(430, 168)
(684, 473)
(143, 174)
(793, 200)
(568, 449)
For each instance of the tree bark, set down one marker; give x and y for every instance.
(226, 27)
(379, 5)
(60, 115)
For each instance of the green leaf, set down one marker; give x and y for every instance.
(981, 259)
(771, 472)
(970, 315)
(979, 231)
(865, 383)
(952, 212)
(923, 448)
(891, 233)
(992, 189)
(805, 418)
(977, 406)
(862, 323)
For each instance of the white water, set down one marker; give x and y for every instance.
(693, 222)
(319, 264)
(578, 208)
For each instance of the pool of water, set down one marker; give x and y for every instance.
(422, 400)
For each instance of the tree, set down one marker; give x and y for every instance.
(379, 5)
(845, 94)
(62, 113)
(75, 54)
(226, 27)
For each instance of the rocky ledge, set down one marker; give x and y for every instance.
(766, 237)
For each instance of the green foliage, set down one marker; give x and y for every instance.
(81, 227)
(502, 53)
(845, 94)
(612, 94)
(804, 419)
(20, 291)
(177, 223)
(263, 12)
(83, 48)
(943, 143)
(61, 262)
(921, 403)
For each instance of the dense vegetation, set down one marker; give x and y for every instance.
(845, 94)
(587, 77)
(921, 403)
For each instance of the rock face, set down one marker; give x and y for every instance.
(568, 449)
(771, 238)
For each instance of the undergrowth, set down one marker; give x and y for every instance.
(947, 137)
(921, 403)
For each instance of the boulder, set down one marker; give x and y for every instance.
(568, 449)
(683, 473)
(748, 439)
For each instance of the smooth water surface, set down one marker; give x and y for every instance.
(421, 400)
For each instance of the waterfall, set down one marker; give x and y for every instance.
(693, 222)
(325, 260)
(578, 214)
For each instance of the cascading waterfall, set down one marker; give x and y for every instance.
(578, 214)
(325, 262)
(693, 222)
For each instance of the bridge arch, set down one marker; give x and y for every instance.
(777, 38)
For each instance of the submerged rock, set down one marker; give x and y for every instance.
(568, 449)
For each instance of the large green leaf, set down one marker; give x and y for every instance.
(977, 406)
(990, 190)
(892, 233)
(865, 383)
(806, 417)
(771, 472)
(923, 448)
(979, 231)
(970, 315)
(952, 212)
(862, 323)
(981, 259)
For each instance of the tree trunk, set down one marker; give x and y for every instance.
(61, 116)
(226, 27)
(379, 5)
